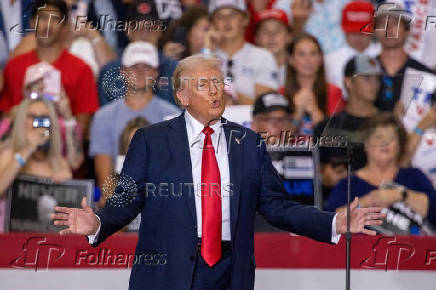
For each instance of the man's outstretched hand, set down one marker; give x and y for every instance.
(80, 221)
(360, 217)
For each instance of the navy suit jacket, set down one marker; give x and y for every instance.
(167, 244)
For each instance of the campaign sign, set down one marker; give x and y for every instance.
(417, 97)
(299, 169)
(31, 201)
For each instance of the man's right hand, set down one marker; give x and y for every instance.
(80, 221)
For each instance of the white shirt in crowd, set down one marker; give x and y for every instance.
(421, 41)
(12, 20)
(196, 142)
(251, 65)
(282, 75)
(336, 61)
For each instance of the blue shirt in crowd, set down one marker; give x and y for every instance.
(110, 121)
(411, 178)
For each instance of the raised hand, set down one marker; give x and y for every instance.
(36, 137)
(360, 217)
(301, 8)
(212, 39)
(63, 106)
(80, 221)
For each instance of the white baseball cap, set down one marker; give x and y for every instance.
(214, 5)
(140, 52)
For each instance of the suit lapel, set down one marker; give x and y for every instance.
(179, 147)
(234, 137)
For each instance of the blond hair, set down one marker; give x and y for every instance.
(189, 65)
(19, 138)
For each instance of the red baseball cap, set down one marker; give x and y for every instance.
(277, 14)
(357, 16)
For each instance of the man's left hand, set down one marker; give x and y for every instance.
(360, 217)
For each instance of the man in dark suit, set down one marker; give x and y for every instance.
(200, 180)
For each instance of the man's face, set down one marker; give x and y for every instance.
(332, 174)
(141, 75)
(230, 23)
(358, 40)
(203, 94)
(49, 24)
(272, 123)
(391, 32)
(147, 35)
(273, 35)
(364, 87)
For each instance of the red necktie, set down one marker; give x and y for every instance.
(210, 202)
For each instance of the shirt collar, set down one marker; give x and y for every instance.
(194, 127)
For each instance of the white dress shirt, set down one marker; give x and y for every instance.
(196, 142)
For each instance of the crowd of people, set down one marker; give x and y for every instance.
(79, 77)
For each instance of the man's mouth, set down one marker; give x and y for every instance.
(216, 104)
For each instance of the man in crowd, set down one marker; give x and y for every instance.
(361, 80)
(76, 77)
(356, 19)
(271, 117)
(140, 61)
(111, 85)
(392, 30)
(272, 31)
(252, 70)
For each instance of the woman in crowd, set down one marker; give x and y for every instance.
(406, 194)
(186, 36)
(306, 87)
(32, 149)
(35, 85)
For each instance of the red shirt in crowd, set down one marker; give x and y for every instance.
(76, 78)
